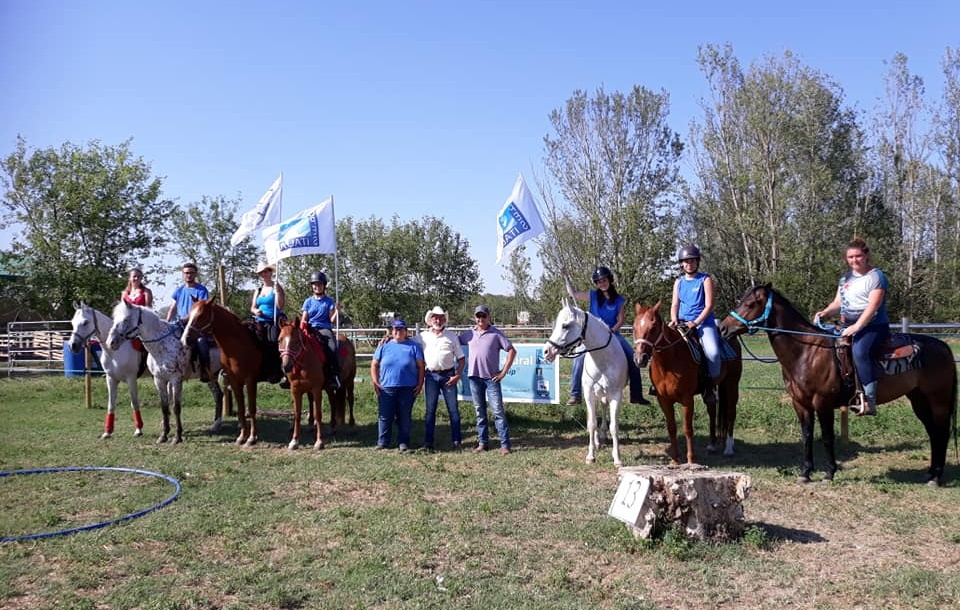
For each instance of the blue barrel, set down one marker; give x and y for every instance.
(73, 364)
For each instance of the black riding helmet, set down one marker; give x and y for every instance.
(602, 272)
(318, 276)
(688, 251)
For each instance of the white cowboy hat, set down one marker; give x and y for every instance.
(436, 311)
(263, 266)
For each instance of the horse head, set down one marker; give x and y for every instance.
(751, 312)
(648, 329)
(84, 325)
(567, 332)
(290, 344)
(200, 319)
(127, 319)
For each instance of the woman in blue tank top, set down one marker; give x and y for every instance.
(692, 306)
(268, 300)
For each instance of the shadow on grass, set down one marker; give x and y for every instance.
(778, 533)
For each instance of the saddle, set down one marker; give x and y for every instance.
(696, 351)
(898, 354)
(266, 340)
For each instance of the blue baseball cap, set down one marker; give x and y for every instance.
(399, 323)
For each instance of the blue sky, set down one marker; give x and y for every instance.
(409, 108)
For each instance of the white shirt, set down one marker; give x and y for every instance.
(440, 351)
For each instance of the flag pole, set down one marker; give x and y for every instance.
(336, 268)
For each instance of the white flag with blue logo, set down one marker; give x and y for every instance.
(309, 232)
(267, 212)
(518, 220)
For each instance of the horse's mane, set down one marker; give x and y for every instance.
(787, 305)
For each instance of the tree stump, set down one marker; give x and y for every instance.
(707, 505)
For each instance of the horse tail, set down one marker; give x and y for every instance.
(953, 416)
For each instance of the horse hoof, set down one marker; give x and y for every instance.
(590, 459)
(250, 442)
(318, 445)
(241, 440)
(728, 453)
(293, 445)
(138, 432)
(177, 440)
(161, 440)
(105, 435)
(933, 482)
(803, 479)
(711, 448)
(215, 426)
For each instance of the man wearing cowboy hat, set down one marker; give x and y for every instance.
(444, 365)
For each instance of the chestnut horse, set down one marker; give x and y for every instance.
(240, 355)
(676, 376)
(812, 377)
(302, 361)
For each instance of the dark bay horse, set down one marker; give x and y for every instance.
(676, 375)
(241, 356)
(812, 377)
(302, 361)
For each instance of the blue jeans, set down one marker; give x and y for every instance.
(484, 390)
(710, 342)
(433, 385)
(863, 344)
(636, 381)
(395, 404)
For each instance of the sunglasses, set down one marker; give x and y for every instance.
(481, 315)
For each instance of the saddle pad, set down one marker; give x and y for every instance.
(894, 365)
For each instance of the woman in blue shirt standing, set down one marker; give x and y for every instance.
(692, 307)
(397, 371)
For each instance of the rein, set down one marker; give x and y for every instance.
(654, 344)
(754, 325)
(135, 331)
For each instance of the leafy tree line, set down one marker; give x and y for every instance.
(783, 173)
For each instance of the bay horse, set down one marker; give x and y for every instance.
(241, 356)
(302, 361)
(605, 365)
(676, 376)
(812, 377)
(121, 364)
(170, 363)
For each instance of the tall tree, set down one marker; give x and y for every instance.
(200, 232)
(946, 302)
(778, 161)
(88, 214)
(615, 162)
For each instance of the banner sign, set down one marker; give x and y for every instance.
(531, 379)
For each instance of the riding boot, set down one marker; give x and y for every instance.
(868, 402)
(203, 359)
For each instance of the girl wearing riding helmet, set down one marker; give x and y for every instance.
(692, 306)
(608, 305)
(319, 313)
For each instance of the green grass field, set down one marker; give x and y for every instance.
(348, 527)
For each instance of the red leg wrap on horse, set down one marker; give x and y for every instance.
(108, 424)
(137, 420)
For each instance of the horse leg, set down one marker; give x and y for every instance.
(251, 386)
(318, 415)
(591, 428)
(243, 432)
(296, 397)
(164, 393)
(805, 418)
(710, 400)
(177, 398)
(825, 417)
(217, 392)
(938, 431)
(349, 401)
(729, 396)
(135, 404)
(614, 431)
(112, 384)
(688, 430)
(666, 405)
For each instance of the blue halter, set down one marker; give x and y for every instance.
(754, 325)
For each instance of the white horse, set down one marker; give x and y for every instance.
(604, 368)
(121, 364)
(170, 362)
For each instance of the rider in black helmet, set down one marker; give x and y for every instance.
(607, 304)
(692, 306)
(319, 314)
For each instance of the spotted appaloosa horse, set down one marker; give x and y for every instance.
(122, 364)
(170, 362)
(605, 365)
(812, 377)
(676, 376)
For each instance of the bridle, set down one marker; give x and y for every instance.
(295, 355)
(753, 326)
(86, 338)
(655, 345)
(134, 331)
(567, 349)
